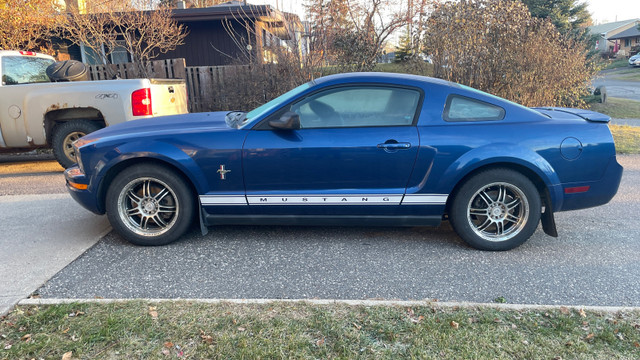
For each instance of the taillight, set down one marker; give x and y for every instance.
(141, 102)
(28, 53)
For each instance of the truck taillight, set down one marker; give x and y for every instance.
(141, 102)
(27, 53)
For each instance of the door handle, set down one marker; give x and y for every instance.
(392, 146)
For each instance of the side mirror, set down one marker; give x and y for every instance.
(288, 121)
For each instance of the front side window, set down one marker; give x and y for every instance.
(359, 106)
(24, 70)
(461, 108)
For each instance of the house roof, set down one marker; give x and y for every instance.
(632, 32)
(275, 20)
(220, 12)
(605, 28)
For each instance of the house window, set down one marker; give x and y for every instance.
(627, 42)
(119, 55)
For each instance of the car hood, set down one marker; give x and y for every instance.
(164, 124)
(571, 113)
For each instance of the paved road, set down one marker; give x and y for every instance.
(619, 88)
(42, 228)
(595, 261)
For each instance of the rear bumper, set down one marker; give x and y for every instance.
(597, 192)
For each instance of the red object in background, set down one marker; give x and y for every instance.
(141, 102)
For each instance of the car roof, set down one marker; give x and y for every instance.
(383, 77)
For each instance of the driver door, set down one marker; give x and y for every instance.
(353, 154)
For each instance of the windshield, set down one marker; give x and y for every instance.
(261, 110)
(24, 70)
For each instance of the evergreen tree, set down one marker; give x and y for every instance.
(404, 50)
(568, 16)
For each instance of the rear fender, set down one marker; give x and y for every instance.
(503, 154)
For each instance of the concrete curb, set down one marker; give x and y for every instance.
(433, 304)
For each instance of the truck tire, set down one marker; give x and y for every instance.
(65, 134)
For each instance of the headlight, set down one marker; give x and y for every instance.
(76, 151)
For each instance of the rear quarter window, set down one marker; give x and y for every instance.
(461, 108)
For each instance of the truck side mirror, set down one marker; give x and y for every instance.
(288, 121)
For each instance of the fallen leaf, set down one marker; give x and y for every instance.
(454, 324)
(357, 326)
(320, 342)
(240, 328)
(619, 336)
(564, 310)
(168, 344)
(496, 320)
(26, 337)
(165, 352)
(207, 339)
(67, 355)
(65, 330)
(636, 344)
(514, 326)
(582, 313)
(590, 336)
(8, 346)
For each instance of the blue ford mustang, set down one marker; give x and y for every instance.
(352, 149)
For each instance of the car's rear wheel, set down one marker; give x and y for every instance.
(496, 210)
(150, 205)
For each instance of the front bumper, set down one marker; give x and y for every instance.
(81, 189)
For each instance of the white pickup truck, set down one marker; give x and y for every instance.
(36, 112)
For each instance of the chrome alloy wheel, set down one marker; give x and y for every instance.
(148, 206)
(498, 211)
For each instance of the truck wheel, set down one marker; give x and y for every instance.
(496, 210)
(150, 205)
(65, 134)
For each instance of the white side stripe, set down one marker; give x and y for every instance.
(352, 199)
(425, 199)
(366, 199)
(223, 200)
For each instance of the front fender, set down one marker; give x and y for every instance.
(154, 150)
(503, 154)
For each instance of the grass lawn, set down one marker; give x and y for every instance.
(614, 64)
(618, 108)
(631, 75)
(138, 329)
(626, 138)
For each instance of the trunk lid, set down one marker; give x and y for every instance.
(571, 113)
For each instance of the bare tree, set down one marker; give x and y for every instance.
(27, 24)
(351, 34)
(118, 27)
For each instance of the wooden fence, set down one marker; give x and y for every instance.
(204, 83)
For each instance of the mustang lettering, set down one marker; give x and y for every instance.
(362, 149)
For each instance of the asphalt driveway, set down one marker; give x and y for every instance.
(595, 261)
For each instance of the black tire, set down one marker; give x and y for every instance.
(496, 210)
(64, 134)
(142, 212)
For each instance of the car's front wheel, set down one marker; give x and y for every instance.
(496, 210)
(150, 205)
